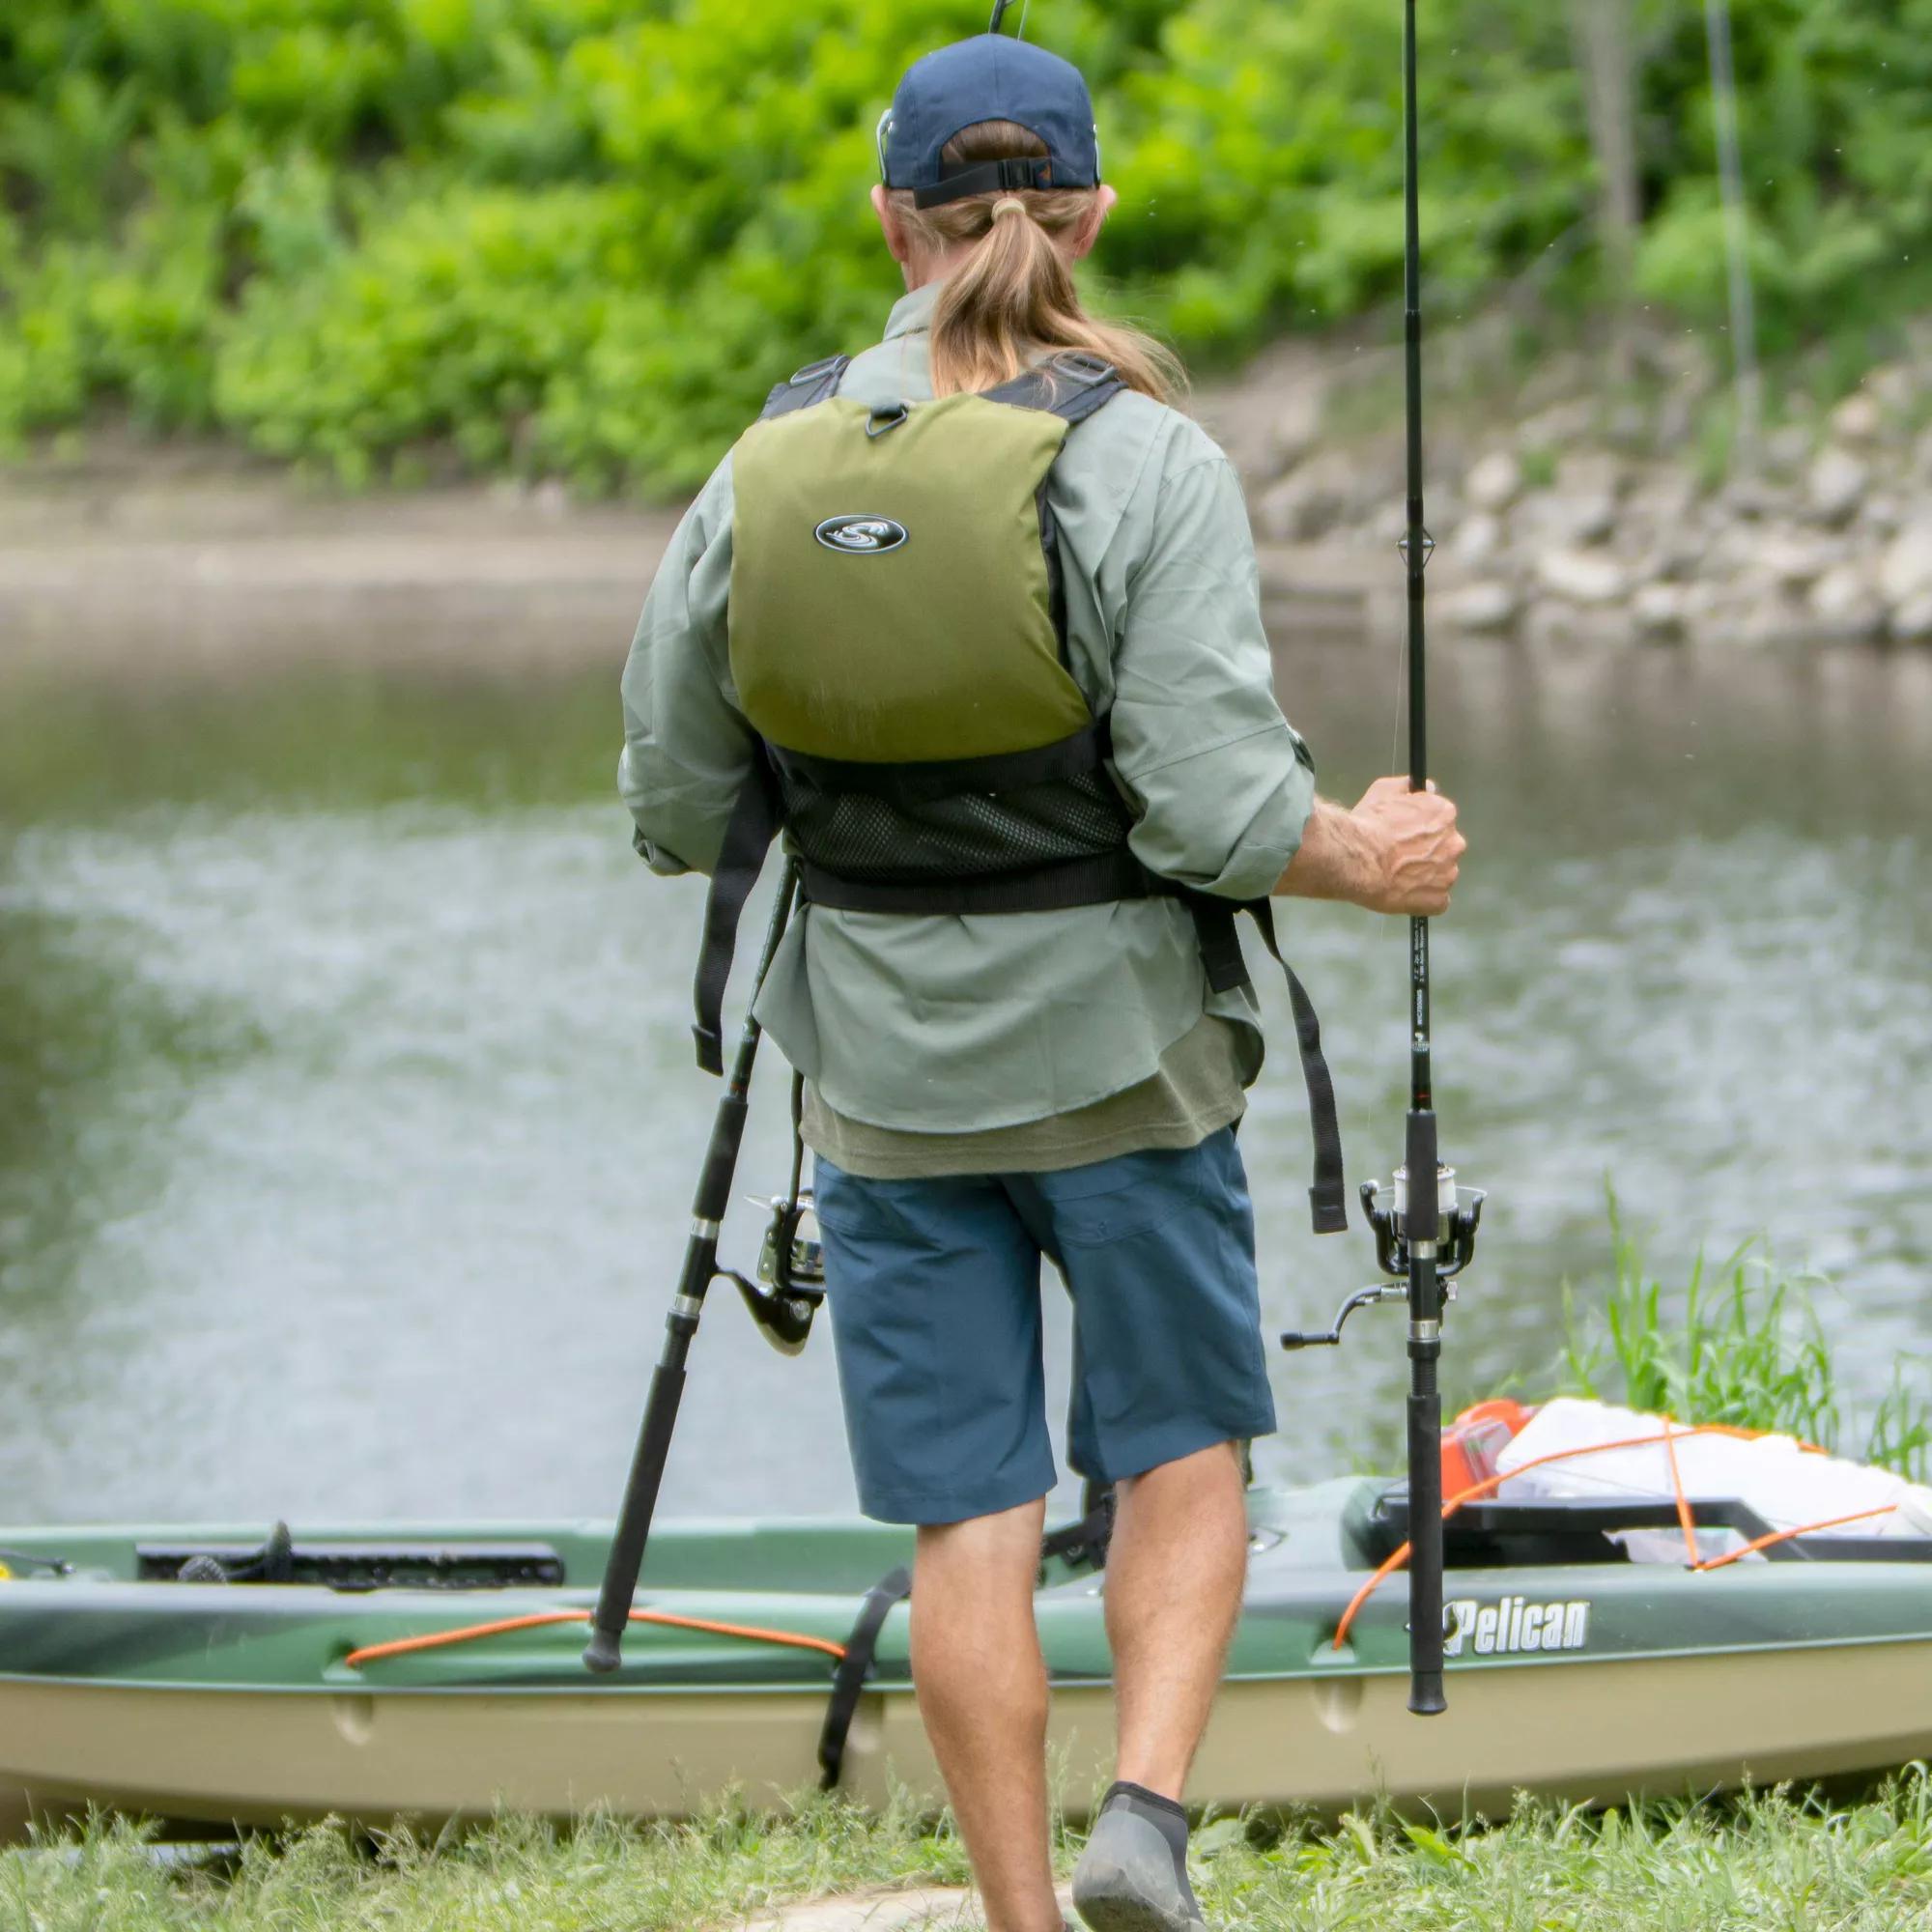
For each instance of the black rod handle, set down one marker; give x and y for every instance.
(612, 1615)
(1425, 1540)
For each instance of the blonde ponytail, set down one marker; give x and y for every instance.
(1014, 297)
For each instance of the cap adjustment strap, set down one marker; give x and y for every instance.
(1014, 171)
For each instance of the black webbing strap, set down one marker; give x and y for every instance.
(1078, 755)
(848, 1681)
(748, 837)
(815, 382)
(1101, 880)
(1327, 1199)
(1072, 385)
(1011, 171)
(1088, 1540)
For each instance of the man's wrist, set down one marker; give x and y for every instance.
(1337, 860)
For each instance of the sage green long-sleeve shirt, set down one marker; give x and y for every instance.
(954, 1025)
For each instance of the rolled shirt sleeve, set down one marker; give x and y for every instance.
(1223, 783)
(687, 750)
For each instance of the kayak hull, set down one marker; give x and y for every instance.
(216, 1706)
(1665, 1728)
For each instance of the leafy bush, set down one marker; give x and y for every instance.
(584, 236)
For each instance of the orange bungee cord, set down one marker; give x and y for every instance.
(406, 1646)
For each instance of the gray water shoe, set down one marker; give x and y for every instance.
(1132, 1877)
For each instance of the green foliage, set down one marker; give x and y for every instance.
(582, 236)
(1744, 1348)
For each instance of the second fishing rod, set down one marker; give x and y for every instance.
(782, 1302)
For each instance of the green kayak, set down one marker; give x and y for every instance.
(205, 1678)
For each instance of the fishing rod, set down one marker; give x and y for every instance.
(1427, 1233)
(783, 1301)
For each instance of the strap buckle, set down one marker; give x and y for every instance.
(1090, 371)
(813, 372)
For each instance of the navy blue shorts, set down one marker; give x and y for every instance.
(935, 1295)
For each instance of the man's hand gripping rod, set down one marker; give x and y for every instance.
(785, 1312)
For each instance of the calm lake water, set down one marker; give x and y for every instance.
(348, 1116)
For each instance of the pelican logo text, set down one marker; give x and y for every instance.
(860, 537)
(1516, 1625)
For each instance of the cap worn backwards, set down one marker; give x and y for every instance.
(988, 78)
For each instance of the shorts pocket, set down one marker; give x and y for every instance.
(1117, 1200)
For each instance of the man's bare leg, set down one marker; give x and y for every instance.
(1175, 1576)
(982, 1684)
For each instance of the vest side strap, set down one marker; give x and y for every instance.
(1327, 1198)
(748, 837)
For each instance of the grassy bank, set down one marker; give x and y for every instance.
(1768, 1863)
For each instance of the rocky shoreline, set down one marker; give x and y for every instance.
(1550, 531)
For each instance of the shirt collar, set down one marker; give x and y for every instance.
(912, 314)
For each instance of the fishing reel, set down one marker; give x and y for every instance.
(790, 1286)
(1459, 1215)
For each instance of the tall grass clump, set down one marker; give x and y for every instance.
(1741, 1346)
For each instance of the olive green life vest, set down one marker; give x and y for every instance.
(892, 599)
(897, 640)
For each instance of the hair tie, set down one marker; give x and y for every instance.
(1012, 202)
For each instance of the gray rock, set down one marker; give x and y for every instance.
(1859, 418)
(1880, 516)
(1752, 497)
(1583, 577)
(1896, 388)
(1837, 485)
(1488, 605)
(1296, 430)
(1906, 570)
(1495, 482)
(1847, 605)
(1796, 559)
(1677, 557)
(1476, 540)
(1912, 621)
(1561, 427)
(1589, 520)
(1659, 609)
(1307, 503)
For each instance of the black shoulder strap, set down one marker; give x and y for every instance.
(1072, 385)
(815, 382)
(1221, 954)
(748, 837)
(848, 1682)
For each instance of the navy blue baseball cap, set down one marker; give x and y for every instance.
(988, 78)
